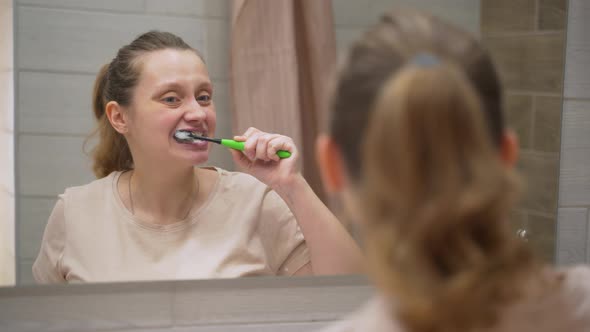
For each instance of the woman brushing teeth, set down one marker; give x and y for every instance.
(153, 215)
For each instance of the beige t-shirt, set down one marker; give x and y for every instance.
(567, 309)
(243, 229)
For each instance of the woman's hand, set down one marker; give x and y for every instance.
(260, 159)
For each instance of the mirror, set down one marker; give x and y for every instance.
(60, 46)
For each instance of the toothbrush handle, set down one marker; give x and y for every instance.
(230, 143)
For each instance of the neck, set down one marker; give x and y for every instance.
(162, 194)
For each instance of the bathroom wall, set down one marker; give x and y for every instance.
(573, 245)
(527, 39)
(60, 45)
(351, 17)
(7, 252)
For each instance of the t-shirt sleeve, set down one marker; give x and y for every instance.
(281, 236)
(47, 266)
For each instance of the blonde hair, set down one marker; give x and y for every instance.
(433, 190)
(116, 81)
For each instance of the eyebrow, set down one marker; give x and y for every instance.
(177, 86)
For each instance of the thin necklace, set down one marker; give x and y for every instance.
(191, 194)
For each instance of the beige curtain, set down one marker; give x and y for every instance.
(283, 54)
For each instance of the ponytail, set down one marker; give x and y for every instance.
(112, 152)
(437, 198)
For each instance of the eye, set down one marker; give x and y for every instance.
(170, 99)
(204, 99)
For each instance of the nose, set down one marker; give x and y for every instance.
(194, 112)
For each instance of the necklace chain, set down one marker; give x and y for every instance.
(191, 194)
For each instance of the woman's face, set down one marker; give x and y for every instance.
(174, 92)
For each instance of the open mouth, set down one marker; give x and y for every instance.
(186, 136)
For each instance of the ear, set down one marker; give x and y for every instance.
(117, 116)
(331, 164)
(509, 148)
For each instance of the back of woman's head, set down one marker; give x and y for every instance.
(435, 194)
(116, 81)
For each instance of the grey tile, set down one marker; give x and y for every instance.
(502, 16)
(574, 178)
(25, 272)
(53, 103)
(576, 121)
(49, 164)
(110, 5)
(33, 216)
(552, 15)
(198, 8)
(529, 62)
(547, 126)
(572, 235)
(577, 69)
(216, 49)
(62, 40)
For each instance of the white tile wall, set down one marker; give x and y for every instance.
(6, 35)
(82, 41)
(7, 100)
(49, 164)
(574, 187)
(110, 5)
(7, 161)
(7, 245)
(33, 213)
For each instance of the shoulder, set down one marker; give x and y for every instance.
(93, 193)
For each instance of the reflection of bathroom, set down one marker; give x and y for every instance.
(526, 38)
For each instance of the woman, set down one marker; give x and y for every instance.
(419, 150)
(152, 215)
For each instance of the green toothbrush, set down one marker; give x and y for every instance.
(187, 136)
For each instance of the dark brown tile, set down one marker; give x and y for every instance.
(500, 16)
(540, 171)
(541, 236)
(519, 110)
(552, 14)
(531, 63)
(547, 126)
